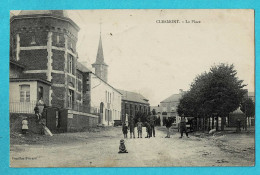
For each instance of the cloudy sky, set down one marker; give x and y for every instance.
(157, 59)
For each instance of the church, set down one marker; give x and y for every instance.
(44, 66)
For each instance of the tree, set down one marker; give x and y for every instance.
(248, 107)
(218, 92)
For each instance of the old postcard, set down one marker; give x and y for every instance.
(132, 88)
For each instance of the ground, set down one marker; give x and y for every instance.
(99, 148)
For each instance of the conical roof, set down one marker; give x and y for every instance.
(61, 13)
(100, 56)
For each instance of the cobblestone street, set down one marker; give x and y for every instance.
(99, 148)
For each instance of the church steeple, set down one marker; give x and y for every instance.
(100, 65)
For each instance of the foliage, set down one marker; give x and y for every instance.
(248, 107)
(217, 91)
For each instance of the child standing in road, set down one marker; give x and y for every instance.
(139, 128)
(124, 129)
(24, 125)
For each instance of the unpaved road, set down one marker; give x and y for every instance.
(100, 149)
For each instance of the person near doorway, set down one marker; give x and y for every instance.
(132, 127)
(37, 112)
(139, 128)
(183, 127)
(168, 125)
(40, 104)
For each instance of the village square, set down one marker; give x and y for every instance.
(64, 113)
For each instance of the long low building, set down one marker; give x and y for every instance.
(132, 103)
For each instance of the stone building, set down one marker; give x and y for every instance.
(168, 108)
(44, 64)
(132, 103)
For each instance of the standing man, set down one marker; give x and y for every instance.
(132, 126)
(168, 125)
(183, 127)
(152, 120)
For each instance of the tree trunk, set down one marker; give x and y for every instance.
(212, 122)
(197, 124)
(245, 124)
(203, 124)
(222, 123)
(216, 123)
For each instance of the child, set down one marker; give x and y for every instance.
(148, 130)
(122, 148)
(124, 129)
(24, 125)
(139, 128)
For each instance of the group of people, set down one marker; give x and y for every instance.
(150, 127)
(150, 124)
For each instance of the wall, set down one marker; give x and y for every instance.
(80, 121)
(15, 121)
(125, 107)
(98, 95)
(15, 71)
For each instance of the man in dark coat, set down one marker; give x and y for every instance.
(152, 119)
(132, 127)
(183, 127)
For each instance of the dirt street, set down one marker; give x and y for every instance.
(99, 148)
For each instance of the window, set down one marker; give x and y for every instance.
(87, 78)
(70, 98)
(24, 93)
(70, 68)
(87, 87)
(40, 92)
(33, 40)
(58, 39)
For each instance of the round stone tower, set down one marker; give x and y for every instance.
(45, 42)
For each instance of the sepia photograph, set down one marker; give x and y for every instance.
(132, 88)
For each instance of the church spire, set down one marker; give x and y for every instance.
(100, 65)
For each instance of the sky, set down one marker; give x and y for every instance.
(157, 59)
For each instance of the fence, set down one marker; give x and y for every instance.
(22, 107)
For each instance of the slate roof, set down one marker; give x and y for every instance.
(82, 68)
(172, 98)
(61, 13)
(133, 97)
(100, 55)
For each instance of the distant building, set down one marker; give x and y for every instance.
(132, 103)
(168, 107)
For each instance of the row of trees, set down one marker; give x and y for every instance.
(213, 94)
